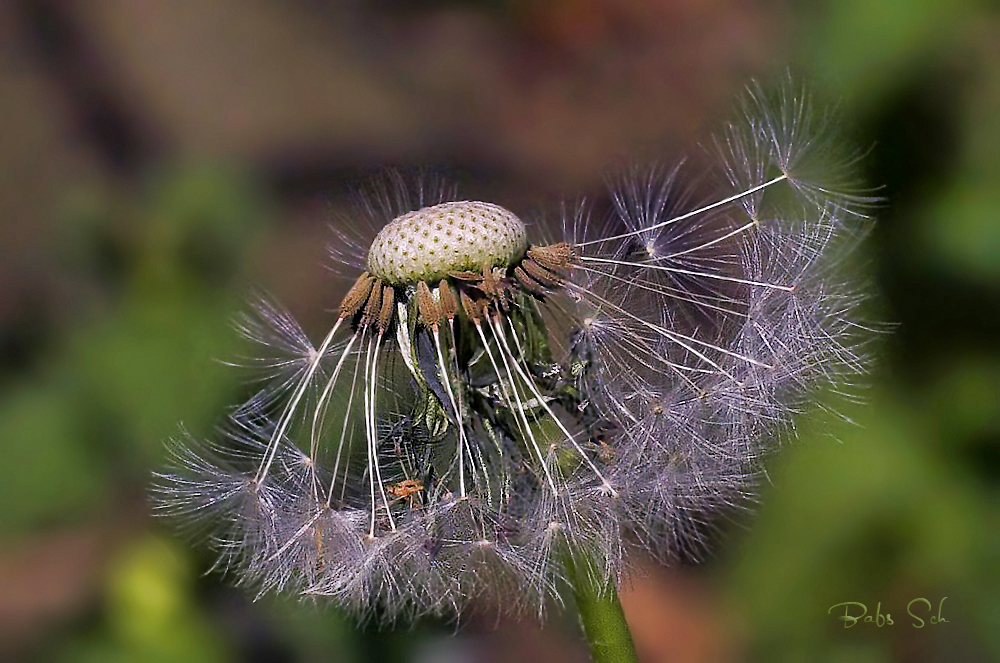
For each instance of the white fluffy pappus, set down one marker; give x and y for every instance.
(486, 403)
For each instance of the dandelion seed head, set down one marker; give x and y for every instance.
(484, 399)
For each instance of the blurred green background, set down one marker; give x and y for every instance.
(159, 159)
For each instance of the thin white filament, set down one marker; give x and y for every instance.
(688, 215)
(458, 414)
(664, 291)
(519, 407)
(286, 416)
(746, 226)
(679, 338)
(474, 449)
(343, 436)
(373, 438)
(319, 414)
(670, 336)
(689, 272)
(522, 425)
(541, 399)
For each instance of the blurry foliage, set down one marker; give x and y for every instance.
(902, 505)
(877, 513)
(139, 356)
(150, 612)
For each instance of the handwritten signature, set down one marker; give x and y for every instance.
(855, 612)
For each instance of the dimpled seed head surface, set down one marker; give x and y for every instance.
(427, 244)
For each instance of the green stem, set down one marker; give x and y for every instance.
(601, 614)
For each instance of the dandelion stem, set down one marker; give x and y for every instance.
(601, 613)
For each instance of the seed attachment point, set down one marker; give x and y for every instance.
(431, 243)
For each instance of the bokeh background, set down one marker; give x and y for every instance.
(160, 159)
